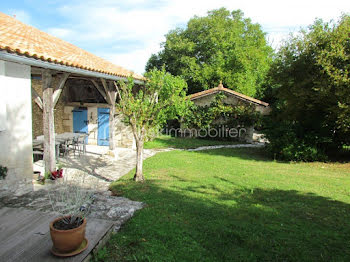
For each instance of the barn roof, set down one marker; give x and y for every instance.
(221, 88)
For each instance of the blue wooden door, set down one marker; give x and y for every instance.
(80, 122)
(103, 127)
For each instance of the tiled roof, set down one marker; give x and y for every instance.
(22, 39)
(221, 88)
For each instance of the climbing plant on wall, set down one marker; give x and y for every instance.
(219, 114)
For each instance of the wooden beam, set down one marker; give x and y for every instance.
(58, 90)
(111, 126)
(48, 120)
(112, 92)
(117, 89)
(37, 98)
(104, 83)
(98, 87)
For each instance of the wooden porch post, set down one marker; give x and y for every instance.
(113, 95)
(111, 126)
(48, 120)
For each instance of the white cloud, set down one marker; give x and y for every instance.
(144, 23)
(130, 60)
(61, 32)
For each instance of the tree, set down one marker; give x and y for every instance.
(163, 97)
(310, 79)
(223, 46)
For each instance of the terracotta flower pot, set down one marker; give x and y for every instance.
(66, 241)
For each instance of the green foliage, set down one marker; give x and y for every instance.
(60, 165)
(162, 98)
(235, 205)
(219, 112)
(310, 83)
(47, 175)
(3, 172)
(220, 46)
(101, 255)
(288, 142)
(149, 107)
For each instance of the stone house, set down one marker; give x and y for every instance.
(206, 97)
(49, 86)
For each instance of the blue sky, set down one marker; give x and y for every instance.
(128, 32)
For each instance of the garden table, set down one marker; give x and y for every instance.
(62, 139)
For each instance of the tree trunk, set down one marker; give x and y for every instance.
(139, 161)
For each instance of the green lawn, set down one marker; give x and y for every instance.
(234, 205)
(184, 143)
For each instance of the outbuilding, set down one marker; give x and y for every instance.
(206, 97)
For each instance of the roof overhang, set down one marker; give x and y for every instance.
(11, 57)
(217, 90)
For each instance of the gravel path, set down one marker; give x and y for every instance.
(257, 145)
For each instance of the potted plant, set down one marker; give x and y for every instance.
(67, 231)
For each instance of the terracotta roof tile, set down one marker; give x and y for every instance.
(221, 88)
(23, 39)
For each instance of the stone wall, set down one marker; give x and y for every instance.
(59, 115)
(123, 136)
(67, 118)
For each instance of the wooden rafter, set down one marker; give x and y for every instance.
(98, 87)
(112, 92)
(37, 98)
(104, 83)
(117, 89)
(58, 90)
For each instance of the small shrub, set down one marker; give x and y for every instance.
(302, 152)
(3, 172)
(71, 200)
(288, 143)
